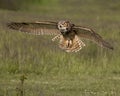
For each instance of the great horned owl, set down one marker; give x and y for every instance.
(69, 34)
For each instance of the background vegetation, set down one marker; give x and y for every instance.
(93, 71)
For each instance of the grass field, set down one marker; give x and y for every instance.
(93, 71)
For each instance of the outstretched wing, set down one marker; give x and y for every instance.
(91, 35)
(37, 28)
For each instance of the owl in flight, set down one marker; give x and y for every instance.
(68, 34)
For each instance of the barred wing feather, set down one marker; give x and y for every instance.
(91, 35)
(37, 28)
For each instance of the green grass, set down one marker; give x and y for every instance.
(93, 71)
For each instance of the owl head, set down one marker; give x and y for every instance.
(65, 26)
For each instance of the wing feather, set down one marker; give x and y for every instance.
(91, 35)
(37, 28)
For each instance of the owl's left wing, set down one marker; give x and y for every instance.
(91, 35)
(37, 28)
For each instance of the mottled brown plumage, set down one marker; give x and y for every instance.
(37, 28)
(68, 33)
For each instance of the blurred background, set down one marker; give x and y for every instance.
(94, 71)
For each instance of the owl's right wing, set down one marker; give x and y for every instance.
(91, 35)
(37, 28)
